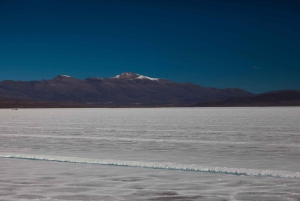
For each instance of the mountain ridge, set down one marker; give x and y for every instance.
(125, 89)
(271, 98)
(132, 90)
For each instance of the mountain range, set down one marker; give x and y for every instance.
(273, 98)
(124, 90)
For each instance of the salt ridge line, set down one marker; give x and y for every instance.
(124, 139)
(159, 165)
(149, 140)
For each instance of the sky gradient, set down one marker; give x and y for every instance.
(253, 45)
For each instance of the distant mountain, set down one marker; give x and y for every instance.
(274, 98)
(127, 89)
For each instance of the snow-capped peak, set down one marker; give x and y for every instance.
(131, 76)
(127, 75)
(65, 75)
(61, 76)
(145, 77)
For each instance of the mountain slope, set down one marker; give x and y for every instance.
(126, 89)
(274, 98)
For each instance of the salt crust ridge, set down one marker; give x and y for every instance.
(149, 140)
(160, 165)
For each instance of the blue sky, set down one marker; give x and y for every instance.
(253, 45)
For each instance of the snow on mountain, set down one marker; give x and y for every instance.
(131, 76)
(63, 76)
(145, 77)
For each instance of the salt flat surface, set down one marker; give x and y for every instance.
(150, 154)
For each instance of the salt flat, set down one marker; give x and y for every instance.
(150, 154)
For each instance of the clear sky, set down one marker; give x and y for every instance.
(249, 44)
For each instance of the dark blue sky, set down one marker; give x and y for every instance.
(252, 45)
